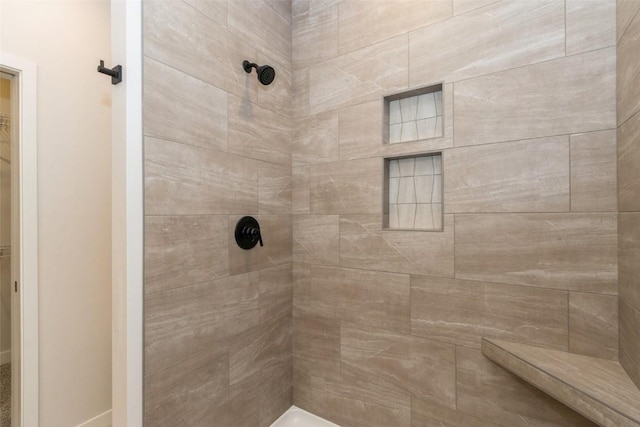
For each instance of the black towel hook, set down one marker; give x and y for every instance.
(115, 72)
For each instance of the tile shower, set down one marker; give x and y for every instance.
(492, 124)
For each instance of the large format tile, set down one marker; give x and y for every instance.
(590, 25)
(315, 139)
(300, 196)
(463, 312)
(627, 10)
(363, 24)
(186, 320)
(314, 32)
(629, 71)
(274, 189)
(523, 176)
(359, 76)
(183, 180)
(561, 251)
(488, 391)
(184, 250)
(464, 6)
(358, 296)
(425, 413)
(630, 341)
(276, 292)
(593, 325)
(446, 52)
(628, 161)
(568, 95)
(181, 108)
(405, 363)
(316, 239)
(363, 244)
(629, 257)
(593, 171)
(316, 346)
(258, 133)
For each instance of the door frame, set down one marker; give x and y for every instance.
(24, 239)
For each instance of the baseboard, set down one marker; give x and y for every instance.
(5, 357)
(102, 420)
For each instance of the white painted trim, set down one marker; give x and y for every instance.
(127, 215)
(5, 357)
(102, 420)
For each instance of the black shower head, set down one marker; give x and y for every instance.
(266, 73)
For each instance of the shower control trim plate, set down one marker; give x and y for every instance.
(248, 233)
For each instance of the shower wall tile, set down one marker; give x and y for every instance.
(365, 297)
(561, 251)
(300, 189)
(314, 33)
(186, 180)
(284, 8)
(276, 292)
(628, 161)
(364, 245)
(316, 239)
(274, 188)
(590, 25)
(316, 346)
(464, 6)
(301, 92)
(276, 236)
(362, 25)
(184, 250)
(258, 133)
(593, 171)
(277, 96)
(593, 325)
(556, 100)
(183, 321)
(488, 391)
(359, 76)
(181, 108)
(630, 340)
(353, 187)
(506, 28)
(214, 9)
(629, 71)
(627, 10)
(629, 257)
(522, 176)
(360, 130)
(315, 139)
(429, 413)
(463, 312)
(399, 362)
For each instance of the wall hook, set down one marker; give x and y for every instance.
(115, 72)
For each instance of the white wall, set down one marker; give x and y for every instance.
(67, 39)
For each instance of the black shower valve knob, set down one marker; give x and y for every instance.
(248, 233)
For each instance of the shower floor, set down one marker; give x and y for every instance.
(296, 417)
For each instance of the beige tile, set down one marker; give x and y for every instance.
(277, 96)
(591, 25)
(353, 187)
(316, 346)
(593, 171)
(276, 292)
(186, 320)
(315, 139)
(258, 133)
(181, 108)
(274, 188)
(522, 176)
(314, 33)
(558, 101)
(462, 312)
(276, 237)
(561, 251)
(261, 26)
(359, 76)
(627, 10)
(446, 52)
(300, 102)
(283, 8)
(463, 6)
(316, 239)
(351, 403)
(184, 250)
(363, 244)
(192, 392)
(488, 391)
(629, 257)
(628, 161)
(276, 390)
(629, 71)
(593, 325)
(184, 180)
(214, 9)
(630, 341)
(425, 413)
(363, 24)
(364, 297)
(300, 190)
(421, 367)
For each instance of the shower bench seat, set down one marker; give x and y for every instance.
(599, 389)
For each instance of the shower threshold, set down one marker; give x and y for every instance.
(296, 417)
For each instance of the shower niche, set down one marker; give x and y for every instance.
(413, 193)
(413, 116)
